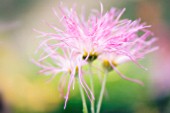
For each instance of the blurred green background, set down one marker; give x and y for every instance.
(23, 90)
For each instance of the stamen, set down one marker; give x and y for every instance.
(91, 57)
(76, 71)
(106, 64)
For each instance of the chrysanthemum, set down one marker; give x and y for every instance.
(62, 60)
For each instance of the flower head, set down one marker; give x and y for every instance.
(100, 33)
(64, 61)
(103, 36)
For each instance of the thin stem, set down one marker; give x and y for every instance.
(101, 93)
(85, 110)
(92, 87)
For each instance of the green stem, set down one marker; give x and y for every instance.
(85, 110)
(101, 93)
(92, 88)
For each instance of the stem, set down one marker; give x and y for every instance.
(92, 88)
(102, 92)
(83, 99)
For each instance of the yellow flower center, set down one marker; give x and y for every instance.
(76, 69)
(106, 64)
(92, 56)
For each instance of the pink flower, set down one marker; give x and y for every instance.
(136, 51)
(63, 61)
(101, 36)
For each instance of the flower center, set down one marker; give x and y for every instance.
(92, 56)
(106, 64)
(76, 71)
